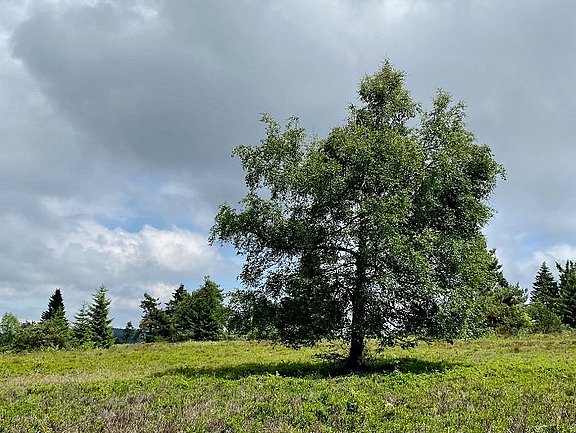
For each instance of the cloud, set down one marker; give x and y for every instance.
(558, 253)
(120, 118)
(87, 254)
(118, 253)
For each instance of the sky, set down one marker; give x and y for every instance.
(118, 119)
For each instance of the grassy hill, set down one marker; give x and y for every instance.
(492, 385)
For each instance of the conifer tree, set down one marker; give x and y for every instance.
(545, 289)
(208, 312)
(180, 315)
(155, 323)
(55, 307)
(192, 314)
(177, 297)
(567, 289)
(82, 329)
(102, 334)
(504, 306)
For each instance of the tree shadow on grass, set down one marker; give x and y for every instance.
(313, 369)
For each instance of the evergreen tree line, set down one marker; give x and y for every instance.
(91, 327)
(553, 303)
(196, 315)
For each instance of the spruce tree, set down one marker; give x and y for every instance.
(181, 312)
(155, 323)
(55, 307)
(82, 329)
(504, 304)
(177, 297)
(208, 312)
(567, 289)
(545, 289)
(102, 333)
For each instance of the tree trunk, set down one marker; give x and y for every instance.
(358, 330)
(354, 361)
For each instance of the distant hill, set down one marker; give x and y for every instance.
(119, 336)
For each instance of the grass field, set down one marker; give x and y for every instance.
(523, 384)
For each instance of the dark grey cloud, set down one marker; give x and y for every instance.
(122, 117)
(177, 90)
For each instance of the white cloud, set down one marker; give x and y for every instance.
(82, 254)
(161, 291)
(105, 253)
(558, 253)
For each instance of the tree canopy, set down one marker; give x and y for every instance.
(196, 315)
(82, 329)
(55, 307)
(101, 331)
(373, 231)
(155, 323)
(545, 289)
(567, 293)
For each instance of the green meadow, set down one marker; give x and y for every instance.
(521, 384)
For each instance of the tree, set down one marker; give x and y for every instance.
(9, 328)
(251, 314)
(504, 304)
(51, 333)
(545, 289)
(372, 232)
(545, 306)
(82, 329)
(129, 333)
(155, 323)
(507, 311)
(181, 315)
(543, 319)
(178, 297)
(55, 307)
(208, 314)
(102, 333)
(567, 289)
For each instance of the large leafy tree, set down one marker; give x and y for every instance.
(372, 232)
(102, 333)
(55, 307)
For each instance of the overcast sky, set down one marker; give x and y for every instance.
(118, 119)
